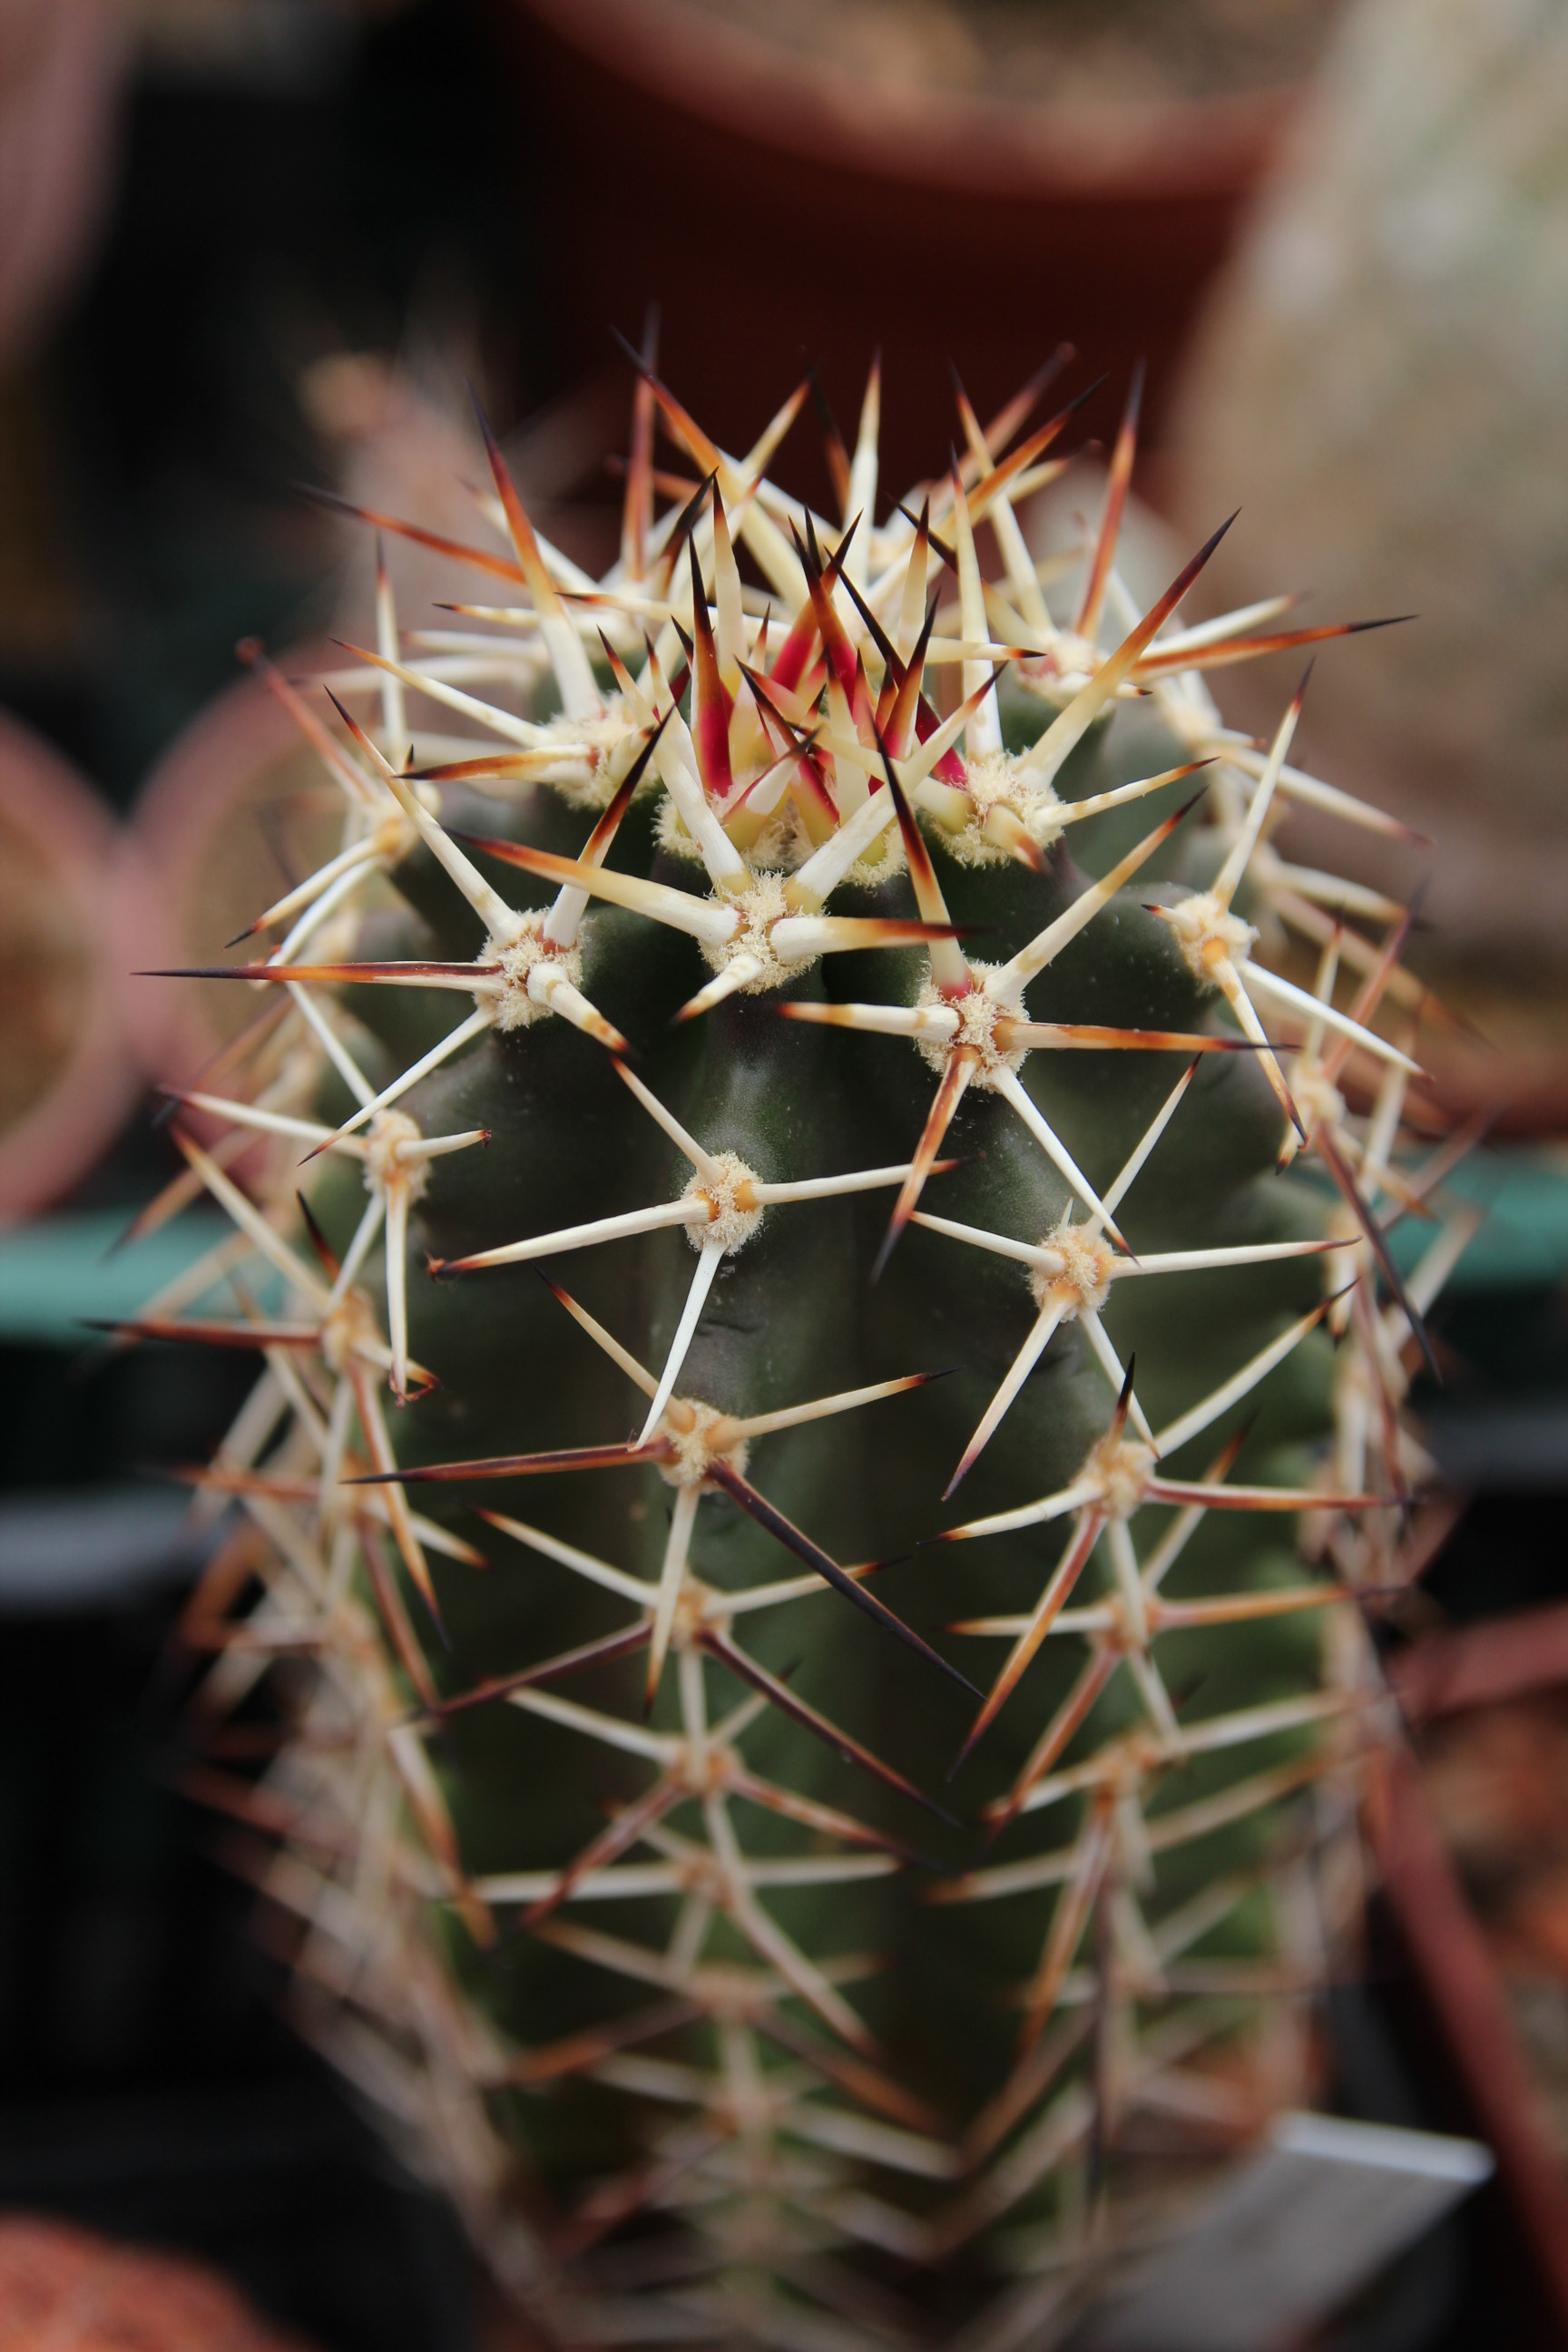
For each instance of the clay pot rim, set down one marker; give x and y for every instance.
(967, 144)
(67, 1130)
(67, 103)
(192, 790)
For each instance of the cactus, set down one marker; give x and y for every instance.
(864, 1084)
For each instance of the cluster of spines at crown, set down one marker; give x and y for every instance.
(813, 699)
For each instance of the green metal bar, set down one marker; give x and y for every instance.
(1524, 1245)
(59, 1274)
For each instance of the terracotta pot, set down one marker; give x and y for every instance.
(1378, 383)
(61, 68)
(776, 206)
(67, 1080)
(63, 2289)
(229, 808)
(1510, 1065)
(1501, 1659)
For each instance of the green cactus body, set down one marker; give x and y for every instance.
(732, 1926)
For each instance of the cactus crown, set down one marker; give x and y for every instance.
(618, 1839)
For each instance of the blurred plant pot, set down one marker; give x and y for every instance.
(67, 1080)
(1453, 1955)
(61, 66)
(1511, 1066)
(63, 2289)
(1379, 383)
(239, 794)
(786, 187)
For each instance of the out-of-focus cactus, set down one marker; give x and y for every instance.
(1378, 380)
(751, 1874)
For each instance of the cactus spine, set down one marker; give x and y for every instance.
(624, 1678)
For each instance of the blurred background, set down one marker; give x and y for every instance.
(253, 248)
